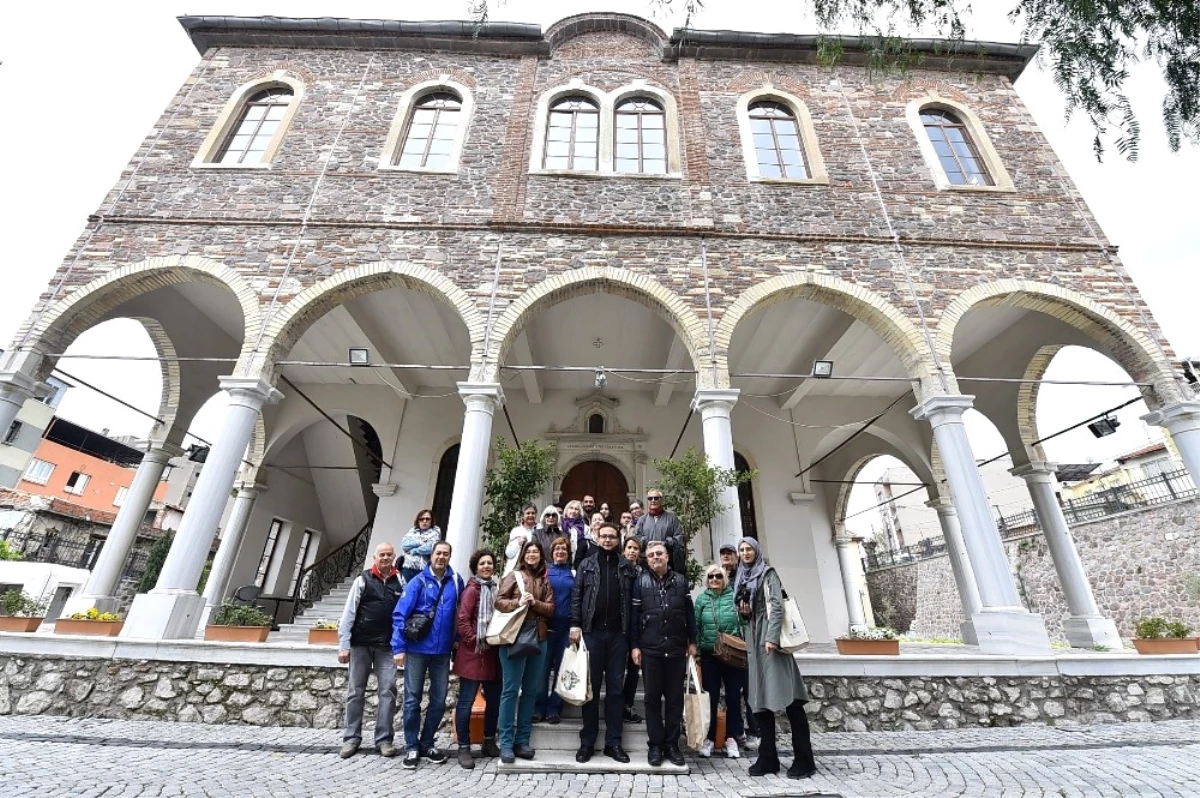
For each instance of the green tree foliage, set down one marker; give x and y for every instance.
(7, 552)
(692, 489)
(154, 562)
(519, 475)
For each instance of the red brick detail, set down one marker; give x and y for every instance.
(289, 67)
(691, 120)
(512, 178)
(918, 86)
(456, 74)
(754, 79)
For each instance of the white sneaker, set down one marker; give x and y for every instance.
(706, 749)
(731, 749)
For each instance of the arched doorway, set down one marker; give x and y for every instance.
(600, 479)
(443, 490)
(746, 499)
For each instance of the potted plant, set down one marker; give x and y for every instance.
(324, 633)
(20, 612)
(238, 623)
(93, 622)
(1159, 636)
(879, 640)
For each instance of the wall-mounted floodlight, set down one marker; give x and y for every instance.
(601, 378)
(822, 369)
(360, 356)
(1104, 426)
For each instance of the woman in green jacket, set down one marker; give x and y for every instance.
(716, 613)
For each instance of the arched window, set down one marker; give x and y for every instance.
(596, 424)
(777, 147)
(746, 499)
(432, 131)
(957, 154)
(443, 490)
(261, 116)
(641, 145)
(573, 135)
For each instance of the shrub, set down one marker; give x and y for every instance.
(21, 604)
(1152, 628)
(325, 625)
(94, 614)
(239, 615)
(7, 552)
(873, 633)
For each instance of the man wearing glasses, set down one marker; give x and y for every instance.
(601, 608)
(664, 635)
(660, 524)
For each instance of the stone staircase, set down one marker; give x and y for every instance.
(328, 608)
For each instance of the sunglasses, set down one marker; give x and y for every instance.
(654, 498)
(551, 515)
(426, 518)
(716, 578)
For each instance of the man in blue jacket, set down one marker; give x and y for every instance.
(422, 636)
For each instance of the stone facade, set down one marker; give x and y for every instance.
(1140, 563)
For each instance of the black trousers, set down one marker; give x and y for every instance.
(801, 742)
(607, 651)
(663, 679)
(631, 681)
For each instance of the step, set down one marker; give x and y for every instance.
(564, 762)
(565, 736)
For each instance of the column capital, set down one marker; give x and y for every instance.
(249, 488)
(18, 382)
(478, 392)
(801, 499)
(1036, 471)
(943, 506)
(251, 391)
(1177, 417)
(161, 452)
(384, 489)
(944, 409)
(719, 399)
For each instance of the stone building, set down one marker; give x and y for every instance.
(586, 234)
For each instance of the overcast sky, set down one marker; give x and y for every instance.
(81, 89)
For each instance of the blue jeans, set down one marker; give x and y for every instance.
(467, 690)
(522, 675)
(416, 666)
(549, 702)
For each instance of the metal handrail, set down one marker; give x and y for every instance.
(317, 579)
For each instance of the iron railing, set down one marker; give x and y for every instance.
(319, 578)
(1148, 492)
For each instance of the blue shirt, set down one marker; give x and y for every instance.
(562, 579)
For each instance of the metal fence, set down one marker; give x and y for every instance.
(1148, 492)
(74, 552)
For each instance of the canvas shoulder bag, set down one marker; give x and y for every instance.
(504, 626)
(793, 634)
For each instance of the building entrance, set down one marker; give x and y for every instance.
(600, 479)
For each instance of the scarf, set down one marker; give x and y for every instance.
(487, 602)
(749, 576)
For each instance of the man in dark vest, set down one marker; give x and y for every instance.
(664, 636)
(364, 641)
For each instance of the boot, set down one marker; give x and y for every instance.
(804, 764)
(489, 747)
(768, 754)
(465, 759)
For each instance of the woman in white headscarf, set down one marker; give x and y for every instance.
(775, 681)
(521, 534)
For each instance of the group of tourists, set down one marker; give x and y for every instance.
(618, 588)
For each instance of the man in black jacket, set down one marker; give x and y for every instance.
(664, 635)
(365, 641)
(601, 605)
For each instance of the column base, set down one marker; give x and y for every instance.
(1000, 632)
(1092, 631)
(967, 630)
(173, 615)
(84, 603)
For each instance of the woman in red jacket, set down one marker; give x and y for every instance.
(476, 663)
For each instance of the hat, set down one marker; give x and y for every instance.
(728, 547)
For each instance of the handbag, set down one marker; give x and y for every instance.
(793, 635)
(696, 708)
(526, 644)
(730, 649)
(418, 625)
(504, 626)
(574, 675)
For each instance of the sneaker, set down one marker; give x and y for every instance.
(465, 759)
(706, 749)
(731, 749)
(748, 742)
(435, 755)
(349, 749)
(387, 750)
(411, 759)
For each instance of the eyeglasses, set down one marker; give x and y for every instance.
(551, 515)
(656, 554)
(426, 518)
(607, 537)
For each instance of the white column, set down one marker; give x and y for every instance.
(846, 559)
(173, 608)
(231, 543)
(960, 566)
(715, 405)
(1002, 625)
(101, 588)
(15, 388)
(1085, 627)
(1182, 421)
(466, 505)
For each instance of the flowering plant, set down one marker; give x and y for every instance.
(873, 633)
(324, 624)
(94, 614)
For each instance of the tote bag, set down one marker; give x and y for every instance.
(504, 627)
(696, 709)
(793, 635)
(574, 676)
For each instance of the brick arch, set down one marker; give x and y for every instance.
(83, 308)
(568, 28)
(168, 406)
(757, 79)
(1131, 348)
(640, 288)
(284, 329)
(883, 318)
(918, 87)
(1027, 396)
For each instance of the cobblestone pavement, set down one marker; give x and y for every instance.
(89, 758)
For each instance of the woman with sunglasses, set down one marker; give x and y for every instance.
(418, 544)
(716, 614)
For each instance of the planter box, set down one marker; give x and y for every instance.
(889, 648)
(237, 634)
(67, 626)
(322, 637)
(10, 623)
(1167, 645)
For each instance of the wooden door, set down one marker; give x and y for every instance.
(600, 479)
